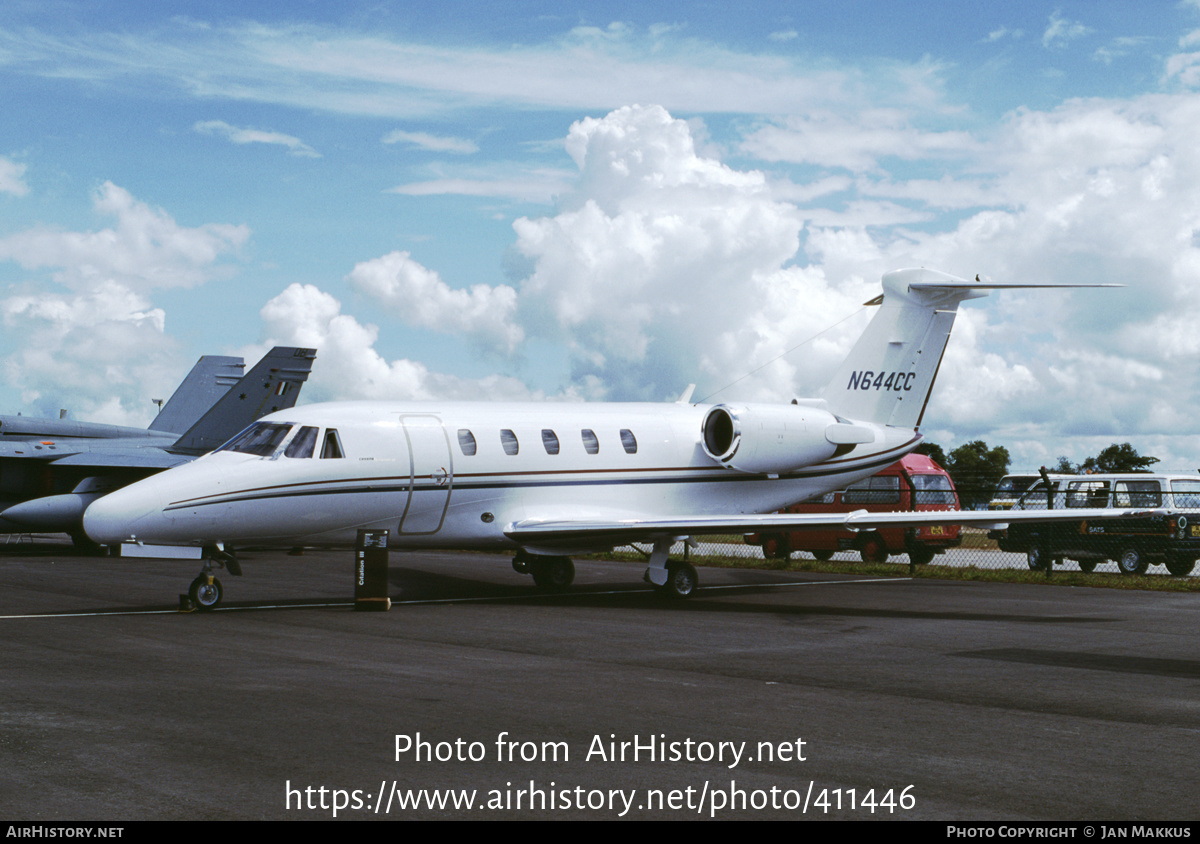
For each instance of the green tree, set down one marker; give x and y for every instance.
(1064, 467)
(976, 469)
(1118, 458)
(934, 452)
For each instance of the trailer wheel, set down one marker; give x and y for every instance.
(823, 556)
(776, 547)
(920, 555)
(873, 549)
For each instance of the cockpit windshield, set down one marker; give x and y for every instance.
(261, 438)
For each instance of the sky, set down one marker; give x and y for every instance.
(606, 201)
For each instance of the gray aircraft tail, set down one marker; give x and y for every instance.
(273, 384)
(210, 378)
(889, 373)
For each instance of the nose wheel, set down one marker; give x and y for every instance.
(206, 593)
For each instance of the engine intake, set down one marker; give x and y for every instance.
(767, 439)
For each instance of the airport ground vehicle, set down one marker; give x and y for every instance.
(1170, 537)
(1009, 490)
(915, 483)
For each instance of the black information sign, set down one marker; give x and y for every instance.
(371, 571)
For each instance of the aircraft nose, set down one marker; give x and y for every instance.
(131, 512)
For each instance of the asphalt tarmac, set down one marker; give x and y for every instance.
(767, 695)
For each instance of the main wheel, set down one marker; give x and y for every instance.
(1132, 561)
(682, 581)
(553, 572)
(1087, 566)
(823, 556)
(776, 547)
(1180, 567)
(205, 596)
(874, 549)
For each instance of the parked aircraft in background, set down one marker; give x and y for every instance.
(51, 469)
(546, 480)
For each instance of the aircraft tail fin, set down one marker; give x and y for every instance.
(210, 378)
(888, 375)
(273, 384)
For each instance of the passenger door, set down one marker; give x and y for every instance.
(431, 474)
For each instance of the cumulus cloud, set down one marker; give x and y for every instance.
(350, 367)
(238, 135)
(418, 296)
(102, 342)
(12, 177)
(664, 266)
(146, 249)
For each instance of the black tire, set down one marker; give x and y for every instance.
(206, 596)
(920, 555)
(682, 581)
(1038, 560)
(823, 556)
(553, 572)
(1087, 566)
(1180, 567)
(1132, 561)
(873, 549)
(776, 547)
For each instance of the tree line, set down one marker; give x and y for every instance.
(976, 469)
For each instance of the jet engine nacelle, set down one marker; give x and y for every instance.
(768, 439)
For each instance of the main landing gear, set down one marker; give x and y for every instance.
(553, 573)
(206, 591)
(676, 579)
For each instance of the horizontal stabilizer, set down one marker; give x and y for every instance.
(887, 377)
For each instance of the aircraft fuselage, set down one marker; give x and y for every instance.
(456, 474)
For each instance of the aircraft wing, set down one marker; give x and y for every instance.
(560, 534)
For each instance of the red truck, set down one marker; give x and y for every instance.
(915, 483)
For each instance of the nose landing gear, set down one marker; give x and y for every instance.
(206, 591)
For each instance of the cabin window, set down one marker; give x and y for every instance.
(1087, 494)
(333, 445)
(509, 440)
(261, 438)
(629, 441)
(877, 489)
(1035, 497)
(1137, 494)
(1187, 493)
(303, 444)
(550, 441)
(590, 444)
(932, 489)
(466, 441)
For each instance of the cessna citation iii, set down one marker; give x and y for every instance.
(550, 479)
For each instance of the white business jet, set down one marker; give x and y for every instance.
(550, 479)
